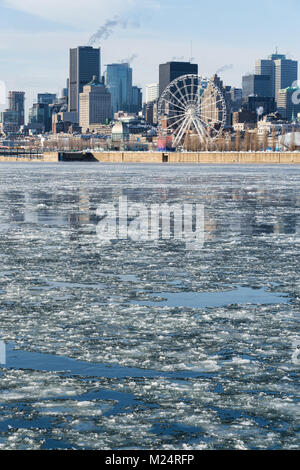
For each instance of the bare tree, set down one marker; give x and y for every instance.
(228, 142)
(282, 140)
(187, 142)
(292, 143)
(274, 139)
(247, 142)
(265, 140)
(204, 144)
(195, 143)
(238, 141)
(255, 141)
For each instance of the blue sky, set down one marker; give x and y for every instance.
(35, 36)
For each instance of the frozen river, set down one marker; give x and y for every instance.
(147, 344)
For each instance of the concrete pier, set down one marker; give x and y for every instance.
(201, 157)
(246, 158)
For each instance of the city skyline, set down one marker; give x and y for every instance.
(149, 36)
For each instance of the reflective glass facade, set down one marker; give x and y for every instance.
(118, 79)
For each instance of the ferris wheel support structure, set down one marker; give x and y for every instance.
(192, 105)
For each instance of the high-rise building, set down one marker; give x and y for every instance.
(172, 70)
(46, 98)
(94, 105)
(283, 72)
(234, 96)
(64, 94)
(9, 121)
(85, 62)
(16, 101)
(286, 74)
(267, 67)
(118, 79)
(152, 92)
(257, 85)
(137, 100)
(40, 118)
(261, 105)
(211, 105)
(151, 112)
(286, 106)
(42, 111)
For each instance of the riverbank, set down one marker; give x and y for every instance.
(245, 158)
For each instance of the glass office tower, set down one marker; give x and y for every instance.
(118, 79)
(283, 72)
(172, 70)
(257, 85)
(85, 63)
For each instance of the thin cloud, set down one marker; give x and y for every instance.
(79, 13)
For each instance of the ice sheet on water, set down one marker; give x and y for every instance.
(63, 294)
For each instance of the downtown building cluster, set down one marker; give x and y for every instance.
(110, 105)
(89, 101)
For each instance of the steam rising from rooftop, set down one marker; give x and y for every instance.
(108, 28)
(225, 68)
(130, 59)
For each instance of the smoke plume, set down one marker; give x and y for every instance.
(225, 68)
(107, 29)
(260, 111)
(130, 59)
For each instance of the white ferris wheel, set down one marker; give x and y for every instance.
(191, 105)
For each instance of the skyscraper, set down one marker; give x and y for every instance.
(152, 92)
(40, 118)
(257, 85)
(267, 67)
(94, 105)
(283, 72)
(286, 107)
(211, 105)
(261, 105)
(172, 70)
(85, 62)
(137, 100)
(16, 101)
(9, 121)
(46, 98)
(286, 74)
(118, 79)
